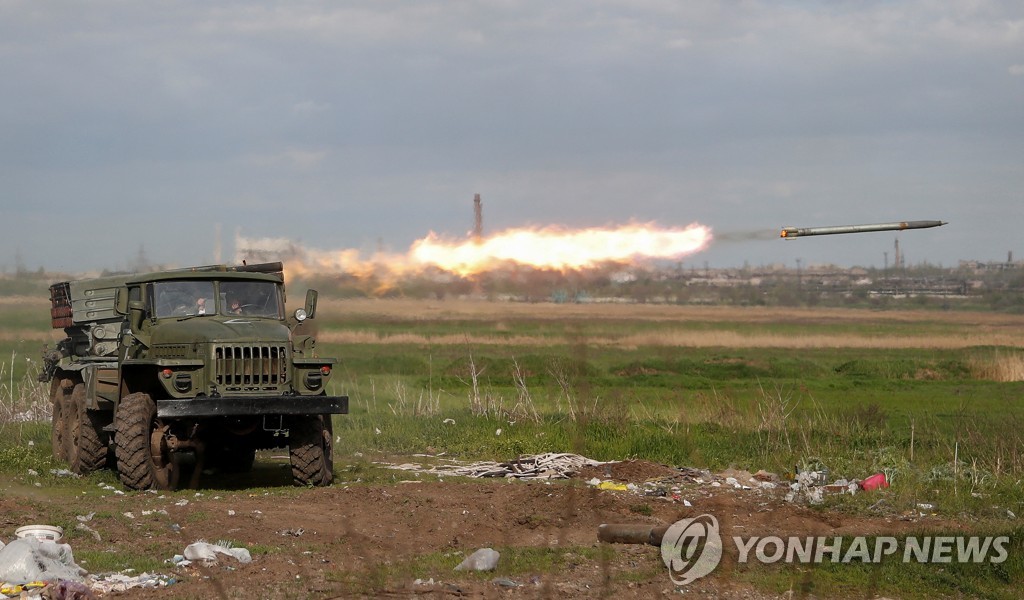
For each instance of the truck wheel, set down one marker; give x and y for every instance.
(311, 449)
(58, 422)
(86, 441)
(143, 458)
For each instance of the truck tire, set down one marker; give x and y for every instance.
(311, 450)
(143, 459)
(87, 443)
(58, 421)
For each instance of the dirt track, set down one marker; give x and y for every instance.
(360, 540)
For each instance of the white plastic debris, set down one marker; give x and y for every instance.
(30, 559)
(205, 551)
(119, 582)
(95, 534)
(484, 559)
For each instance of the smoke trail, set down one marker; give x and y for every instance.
(747, 236)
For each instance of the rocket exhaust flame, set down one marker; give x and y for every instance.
(561, 250)
(547, 248)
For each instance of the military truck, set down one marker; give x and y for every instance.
(164, 375)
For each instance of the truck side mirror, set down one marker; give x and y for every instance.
(310, 307)
(121, 301)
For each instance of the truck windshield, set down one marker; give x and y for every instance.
(251, 299)
(183, 298)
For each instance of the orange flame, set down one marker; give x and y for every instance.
(543, 248)
(553, 248)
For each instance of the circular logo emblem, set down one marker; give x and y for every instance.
(691, 549)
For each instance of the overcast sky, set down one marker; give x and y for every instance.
(129, 125)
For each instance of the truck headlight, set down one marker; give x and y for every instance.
(183, 382)
(314, 380)
(300, 314)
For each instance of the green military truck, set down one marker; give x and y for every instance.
(165, 374)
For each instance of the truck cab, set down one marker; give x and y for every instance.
(164, 374)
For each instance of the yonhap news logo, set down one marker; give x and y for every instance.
(692, 548)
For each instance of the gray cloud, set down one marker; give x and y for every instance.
(341, 124)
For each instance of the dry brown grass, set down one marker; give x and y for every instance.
(433, 310)
(1001, 366)
(965, 329)
(694, 339)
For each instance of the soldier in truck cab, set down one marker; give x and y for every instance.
(235, 305)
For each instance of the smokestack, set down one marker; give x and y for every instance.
(216, 244)
(478, 219)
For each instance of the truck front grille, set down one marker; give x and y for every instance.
(253, 365)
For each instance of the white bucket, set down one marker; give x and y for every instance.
(43, 533)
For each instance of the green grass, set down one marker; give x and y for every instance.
(943, 433)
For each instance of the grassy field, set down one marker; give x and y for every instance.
(933, 399)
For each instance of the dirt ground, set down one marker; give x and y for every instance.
(363, 540)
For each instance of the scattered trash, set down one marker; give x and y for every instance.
(22, 589)
(34, 473)
(611, 485)
(925, 506)
(119, 582)
(505, 582)
(814, 472)
(43, 533)
(86, 518)
(64, 473)
(293, 532)
(70, 590)
(484, 559)
(874, 482)
(1009, 513)
(83, 527)
(421, 582)
(208, 552)
(29, 559)
(182, 502)
(536, 466)
(449, 421)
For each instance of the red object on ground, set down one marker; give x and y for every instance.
(874, 482)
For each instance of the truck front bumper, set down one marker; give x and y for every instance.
(205, 406)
